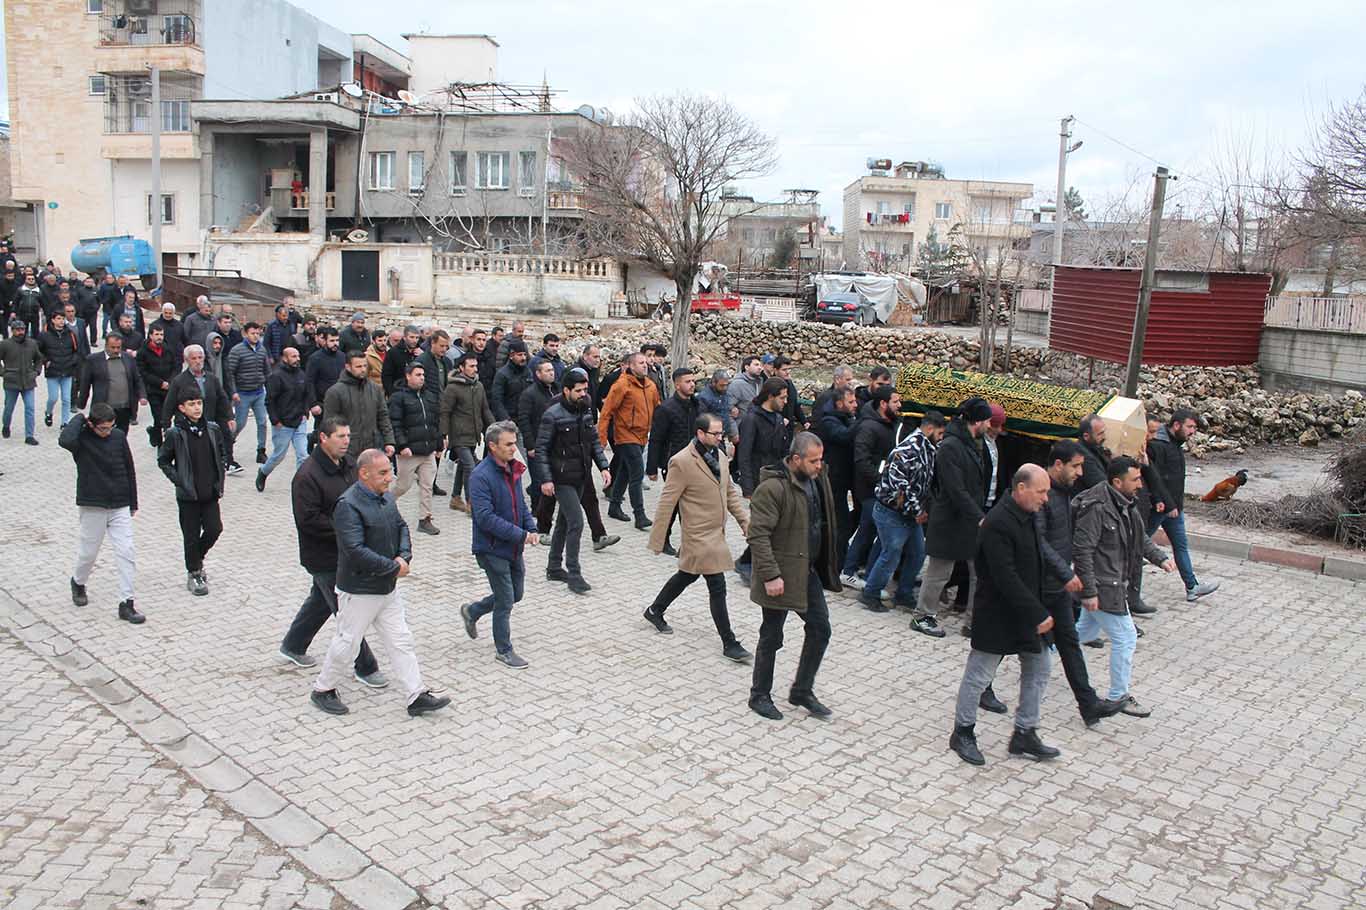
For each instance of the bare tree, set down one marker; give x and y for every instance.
(654, 185)
(1334, 165)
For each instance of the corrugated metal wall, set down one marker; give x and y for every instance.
(1093, 315)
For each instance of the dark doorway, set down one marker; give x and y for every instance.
(360, 275)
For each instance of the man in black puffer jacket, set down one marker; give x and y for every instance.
(289, 401)
(191, 458)
(957, 505)
(670, 432)
(568, 447)
(61, 351)
(415, 415)
(874, 438)
(106, 497)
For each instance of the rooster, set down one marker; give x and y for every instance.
(1225, 488)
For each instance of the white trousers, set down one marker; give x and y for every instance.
(95, 523)
(356, 615)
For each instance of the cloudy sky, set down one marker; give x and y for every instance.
(976, 86)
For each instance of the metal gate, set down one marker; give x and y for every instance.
(360, 275)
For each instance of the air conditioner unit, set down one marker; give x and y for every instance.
(326, 96)
(142, 7)
(139, 88)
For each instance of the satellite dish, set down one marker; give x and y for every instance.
(406, 96)
(586, 110)
(358, 235)
(352, 89)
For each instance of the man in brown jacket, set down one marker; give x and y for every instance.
(698, 485)
(792, 537)
(630, 408)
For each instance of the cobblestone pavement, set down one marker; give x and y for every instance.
(623, 769)
(92, 817)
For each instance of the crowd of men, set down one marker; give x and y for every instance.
(1039, 559)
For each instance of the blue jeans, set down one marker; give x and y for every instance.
(633, 457)
(507, 580)
(903, 541)
(256, 402)
(862, 543)
(59, 386)
(12, 396)
(280, 438)
(1176, 535)
(1119, 628)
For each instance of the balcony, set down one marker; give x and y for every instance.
(565, 201)
(128, 104)
(288, 203)
(896, 222)
(135, 34)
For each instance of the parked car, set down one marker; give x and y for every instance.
(845, 306)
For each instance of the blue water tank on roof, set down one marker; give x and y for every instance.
(122, 255)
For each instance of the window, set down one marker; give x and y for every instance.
(526, 173)
(94, 6)
(908, 208)
(943, 210)
(417, 173)
(177, 29)
(882, 208)
(98, 84)
(493, 170)
(381, 170)
(167, 208)
(175, 116)
(142, 117)
(459, 180)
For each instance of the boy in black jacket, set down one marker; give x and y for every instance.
(190, 457)
(107, 498)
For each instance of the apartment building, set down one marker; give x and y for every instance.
(891, 212)
(749, 238)
(81, 109)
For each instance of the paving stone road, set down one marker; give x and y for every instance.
(180, 763)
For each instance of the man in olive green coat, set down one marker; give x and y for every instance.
(792, 538)
(464, 414)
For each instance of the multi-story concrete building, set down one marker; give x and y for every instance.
(751, 232)
(890, 213)
(81, 110)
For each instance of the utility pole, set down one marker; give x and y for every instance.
(1060, 209)
(156, 173)
(1145, 291)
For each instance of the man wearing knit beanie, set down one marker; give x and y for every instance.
(957, 507)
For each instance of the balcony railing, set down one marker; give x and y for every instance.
(510, 264)
(283, 199)
(565, 200)
(903, 221)
(128, 105)
(1317, 314)
(129, 22)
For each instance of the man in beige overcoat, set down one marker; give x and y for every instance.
(698, 485)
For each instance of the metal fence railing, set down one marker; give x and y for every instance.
(1319, 314)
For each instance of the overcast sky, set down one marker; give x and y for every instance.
(976, 86)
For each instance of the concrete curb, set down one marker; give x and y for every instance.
(1334, 566)
(342, 866)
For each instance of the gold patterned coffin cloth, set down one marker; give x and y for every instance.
(1032, 408)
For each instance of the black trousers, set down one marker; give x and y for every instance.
(716, 595)
(1064, 615)
(155, 402)
(200, 525)
(123, 417)
(313, 612)
(817, 637)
